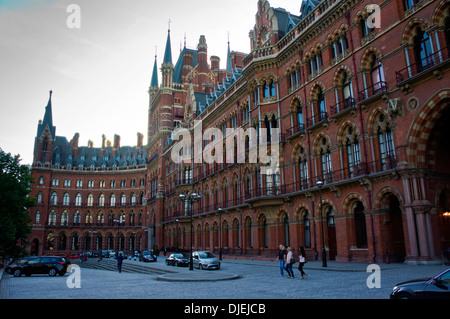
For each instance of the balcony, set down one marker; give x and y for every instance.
(298, 128)
(343, 107)
(429, 65)
(372, 92)
(317, 119)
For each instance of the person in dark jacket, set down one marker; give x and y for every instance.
(119, 262)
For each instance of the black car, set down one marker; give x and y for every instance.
(428, 288)
(177, 259)
(147, 256)
(51, 265)
(19, 260)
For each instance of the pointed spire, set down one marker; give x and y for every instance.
(229, 64)
(48, 119)
(168, 52)
(154, 83)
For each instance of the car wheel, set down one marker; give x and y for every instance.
(52, 272)
(17, 273)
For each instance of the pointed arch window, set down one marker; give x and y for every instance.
(66, 199)
(78, 200)
(54, 199)
(423, 51)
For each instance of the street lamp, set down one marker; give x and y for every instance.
(220, 233)
(324, 252)
(118, 221)
(177, 220)
(191, 199)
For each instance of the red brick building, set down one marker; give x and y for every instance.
(359, 106)
(88, 199)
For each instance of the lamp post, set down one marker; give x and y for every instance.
(220, 233)
(324, 252)
(118, 221)
(190, 198)
(177, 220)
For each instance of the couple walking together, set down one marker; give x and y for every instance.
(286, 259)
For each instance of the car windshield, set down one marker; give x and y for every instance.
(206, 255)
(178, 255)
(147, 253)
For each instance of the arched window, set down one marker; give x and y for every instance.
(307, 230)
(66, 199)
(376, 76)
(423, 51)
(346, 90)
(385, 143)
(353, 152)
(37, 218)
(64, 218)
(365, 28)
(325, 161)
(62, 242)
(54, 199)
(286, 230)
(112, 200)
(123, 200)
(360, 225)
(101, 200)
(321, 106)
(90, 200)
(78, 200)
(89, 218)
(52, 218)
(77, 218)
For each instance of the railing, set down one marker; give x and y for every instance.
(320, 117)
(343, 105)
(422, 65)
(372, 90)
(297, 128)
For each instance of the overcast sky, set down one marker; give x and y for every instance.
(100, 72)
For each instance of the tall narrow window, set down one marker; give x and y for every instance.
(376, 76)
(423, 51)
(306, 229)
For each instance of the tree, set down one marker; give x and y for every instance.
(15, 183)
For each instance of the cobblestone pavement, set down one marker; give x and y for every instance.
(257, 280)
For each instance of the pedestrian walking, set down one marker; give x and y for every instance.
(281, 258)
(302, 261)
(289, 262)
(119, 262)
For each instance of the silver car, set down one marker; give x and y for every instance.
(205, 260)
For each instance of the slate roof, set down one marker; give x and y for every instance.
(89, 157)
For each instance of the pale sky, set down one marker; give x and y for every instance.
(100, 72)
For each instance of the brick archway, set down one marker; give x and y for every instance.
(422, 127)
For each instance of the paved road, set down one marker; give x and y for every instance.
(256, 280)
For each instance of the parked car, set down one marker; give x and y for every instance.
(51, 265)
(111, 254)
(16, 261)
(177, 259)
(103, 253)
(205, 260)
(437, 287)
(147, 256)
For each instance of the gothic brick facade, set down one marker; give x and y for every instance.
(358, 106)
